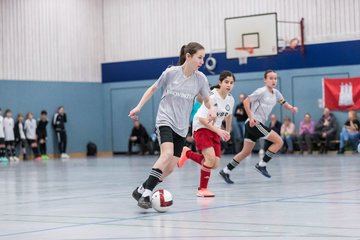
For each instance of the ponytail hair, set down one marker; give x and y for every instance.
(191, 48)
(215, 86)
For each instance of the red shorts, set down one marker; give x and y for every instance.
(206, 138)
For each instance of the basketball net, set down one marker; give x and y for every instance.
(243, 54)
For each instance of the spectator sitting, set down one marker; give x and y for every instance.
(350, 131)
(140, 136)
(306, 130)
(274, 125)
(326, 130)
(287, 132)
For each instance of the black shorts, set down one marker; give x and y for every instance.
(10, 143)
(2, 141)
(20, 141)
(166, 134)
(31, 141)
(256, 132)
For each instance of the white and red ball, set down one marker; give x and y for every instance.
(161, 200)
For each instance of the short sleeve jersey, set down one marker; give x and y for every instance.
(224, 107)
(30, 129)
(263, 101)
(2, 134)
(178, 97)
(9, 129)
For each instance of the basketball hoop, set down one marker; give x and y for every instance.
(243, 54)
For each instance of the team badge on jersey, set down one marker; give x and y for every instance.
(227, 107)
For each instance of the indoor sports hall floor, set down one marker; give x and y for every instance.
(308, 197)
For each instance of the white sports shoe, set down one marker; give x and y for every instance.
(65, 156)
(11, 158)
(16, 158)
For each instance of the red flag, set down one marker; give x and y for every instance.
(342, 93)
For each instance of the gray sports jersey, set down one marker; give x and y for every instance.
(263, 101)
(178, 98)
(30, 129)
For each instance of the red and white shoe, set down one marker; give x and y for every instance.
(203, 192)
(183, 157)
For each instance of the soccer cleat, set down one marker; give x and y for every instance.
(183, 157)
(4, 159)
(45, 157)
(136, 195)
(11, 159)
(144, 202)
(16, 158)
(226, 177)
(262, 170)
(38, 158)
(203, 192)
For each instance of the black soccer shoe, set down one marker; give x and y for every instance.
(144, 202)
(262, 170)
(226, 177)
(136, 195)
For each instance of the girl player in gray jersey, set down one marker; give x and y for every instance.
(180, 84)
(262, 102)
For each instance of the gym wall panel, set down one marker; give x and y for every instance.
(119, 99)
(143, 29)
(50, 40)
(83, 104)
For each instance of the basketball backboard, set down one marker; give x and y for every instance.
(256, 31)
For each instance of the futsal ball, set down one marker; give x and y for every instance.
(358, 148)
(161, 200)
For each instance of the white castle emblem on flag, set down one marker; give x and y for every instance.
(346, 95)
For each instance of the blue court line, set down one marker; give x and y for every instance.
(176, 212)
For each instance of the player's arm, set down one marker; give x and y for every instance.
(228, 121)
(147, 95)
(290, 107)
(246, 103)
(209, 104)
(224, 135)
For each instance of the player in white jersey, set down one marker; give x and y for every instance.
(2, 139)
(207, 134)
(180, 84)
(30, 132)
(262, 102)
(9, 135)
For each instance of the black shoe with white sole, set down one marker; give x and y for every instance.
(262, 170)
(226, 177)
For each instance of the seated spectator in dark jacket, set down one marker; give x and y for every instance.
(306, 131)
(325, 130)
(139, 136)
(350, 132)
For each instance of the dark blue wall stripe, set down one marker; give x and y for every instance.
(316, 55)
